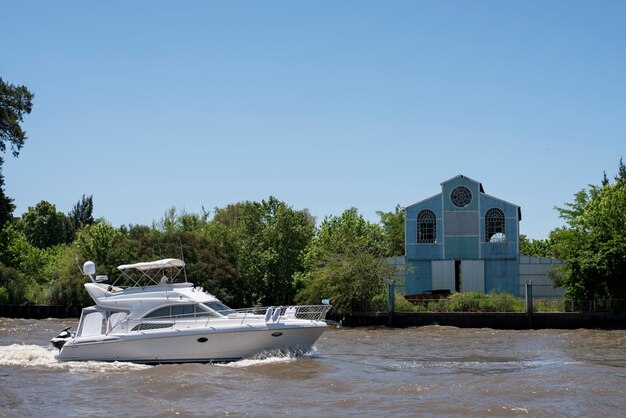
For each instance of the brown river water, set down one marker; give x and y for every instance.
(428, 371)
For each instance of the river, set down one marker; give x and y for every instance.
(428, 371)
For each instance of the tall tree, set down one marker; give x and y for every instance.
(6, 203)
(264, 240)
(393, 230)
(593, 243)
(45, 227)
(621, 171)
(205, 262)
(82, 213)
(15, 101)
(343, 263)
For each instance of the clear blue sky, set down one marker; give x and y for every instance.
(325, 105)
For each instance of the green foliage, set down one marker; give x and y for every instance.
(98, 243)
(548, 305)
(45, 227)
(621, 171)
(343, 262)
(473, 302)
(174, 221)
(535, 247)
(393, 231)
(350, 280)
(15, 101)
(593, 243)
(21, 254)
(6, 204)
(82, 213)
(264, 240)
(379, 302)
(65, 281)
(340, 234)
(206, 264)
(11, 285)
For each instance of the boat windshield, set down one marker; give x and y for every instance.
(219, 307)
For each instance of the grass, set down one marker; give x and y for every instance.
(478, 302)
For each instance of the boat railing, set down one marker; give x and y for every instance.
(268, 314)
(307, 312)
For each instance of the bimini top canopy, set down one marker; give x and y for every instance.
(154, 265)
(152, 272)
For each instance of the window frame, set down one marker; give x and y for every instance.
(426, 227)
(495, 223)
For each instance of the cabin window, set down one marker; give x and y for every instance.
(219, 307)
(178, 311)
(494, 226)
(116, 319)
(164, 312)
(92, 324)
(426, 226)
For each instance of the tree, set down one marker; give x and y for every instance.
(535, 247)
(6, 203)
(205, 262)
(98, 243)
(344, 263)
(605, 179)
(15, 101)
(82, 213)
(177, 221)
(593, 243)
(264, 240)
(45, 227)
(621, 171)
(393, 231)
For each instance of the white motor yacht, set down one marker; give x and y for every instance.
(162, 318)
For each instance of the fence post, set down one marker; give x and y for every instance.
(391, 299)
(529, 302)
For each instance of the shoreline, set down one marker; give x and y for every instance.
(495, 320)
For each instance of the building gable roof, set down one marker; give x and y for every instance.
(465, 177)
(438, 195)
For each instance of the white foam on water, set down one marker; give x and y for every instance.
(258, 362)
(271, 357)
(43, 357)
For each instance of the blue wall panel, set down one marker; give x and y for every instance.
(418, 277)
(498, 250)
(461, 248)
(424, 251)
(501, 276)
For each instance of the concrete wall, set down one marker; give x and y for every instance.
(536, 269)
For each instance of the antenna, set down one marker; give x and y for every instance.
(78, 265)
(182, 257)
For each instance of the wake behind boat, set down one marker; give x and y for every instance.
(159, 320)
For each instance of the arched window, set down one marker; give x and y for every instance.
(494, 225)
(426, 226)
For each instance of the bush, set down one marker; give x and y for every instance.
(379, 303)
(12, 285)
(4, 295)
(466, 302)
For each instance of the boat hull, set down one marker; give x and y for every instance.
(194, 345)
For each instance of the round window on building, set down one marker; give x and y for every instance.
(461, 196)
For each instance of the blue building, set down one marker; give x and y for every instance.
(462, 240)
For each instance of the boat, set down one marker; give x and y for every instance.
(160, 317)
